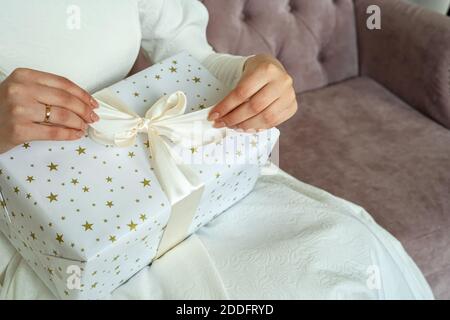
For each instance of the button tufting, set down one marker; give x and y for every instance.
(245, 16)
(291, 7)
(321, 57)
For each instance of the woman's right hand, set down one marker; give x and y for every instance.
(24, 96)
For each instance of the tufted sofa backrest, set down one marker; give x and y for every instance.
(314, 39)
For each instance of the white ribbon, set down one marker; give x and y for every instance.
(119, 126)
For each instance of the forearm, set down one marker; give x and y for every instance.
(410, 55)
(229, 68)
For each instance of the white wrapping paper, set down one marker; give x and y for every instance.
(86, 217)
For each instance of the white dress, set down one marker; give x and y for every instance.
(284, 240)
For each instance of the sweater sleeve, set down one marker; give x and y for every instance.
(3, 75)
(171, 26)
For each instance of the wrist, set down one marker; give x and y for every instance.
(259, 59)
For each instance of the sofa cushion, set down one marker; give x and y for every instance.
(315, 40)
(358, 141)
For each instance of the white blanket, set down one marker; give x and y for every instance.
(286, 240)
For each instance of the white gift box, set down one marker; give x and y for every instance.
(86, 216)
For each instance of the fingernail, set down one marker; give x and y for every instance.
(94, 103)
(94, 116)
(85, 127)
(213, 116)
(219, 124)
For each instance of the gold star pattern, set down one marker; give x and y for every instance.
(145, 183)
(59, 238)
(158, 77)
(50, 271)
(132, 225)
(16, 190)
(253, 143)
(26, 145)
(141, 219)
(109, 204)
(87, 226)
(81, 151)
(136, 94)
(174, 62)
(52, 197)
(94, 285)
(52, 166)
(33, 235)
(28, 195)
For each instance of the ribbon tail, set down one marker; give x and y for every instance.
(182, 187)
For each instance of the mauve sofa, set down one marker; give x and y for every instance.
(374, 116)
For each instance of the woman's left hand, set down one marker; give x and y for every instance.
(263, 98)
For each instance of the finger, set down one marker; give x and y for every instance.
(60, 98)
(66, 118)
(260, 101)
(46, 132)
(246, 88)
(36, 112)
(286, 114)
(55, 81)
(273, 115)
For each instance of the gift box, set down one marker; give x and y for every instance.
(88, 214)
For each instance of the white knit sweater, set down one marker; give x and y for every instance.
(95, 43)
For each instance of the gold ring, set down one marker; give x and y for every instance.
(48, 111)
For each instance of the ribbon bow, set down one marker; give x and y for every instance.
(164, 120)
(119, 126)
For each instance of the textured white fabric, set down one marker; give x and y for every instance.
(102, 37)
(284, 240)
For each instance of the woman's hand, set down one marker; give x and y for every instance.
(263, 98)
(24, 97)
